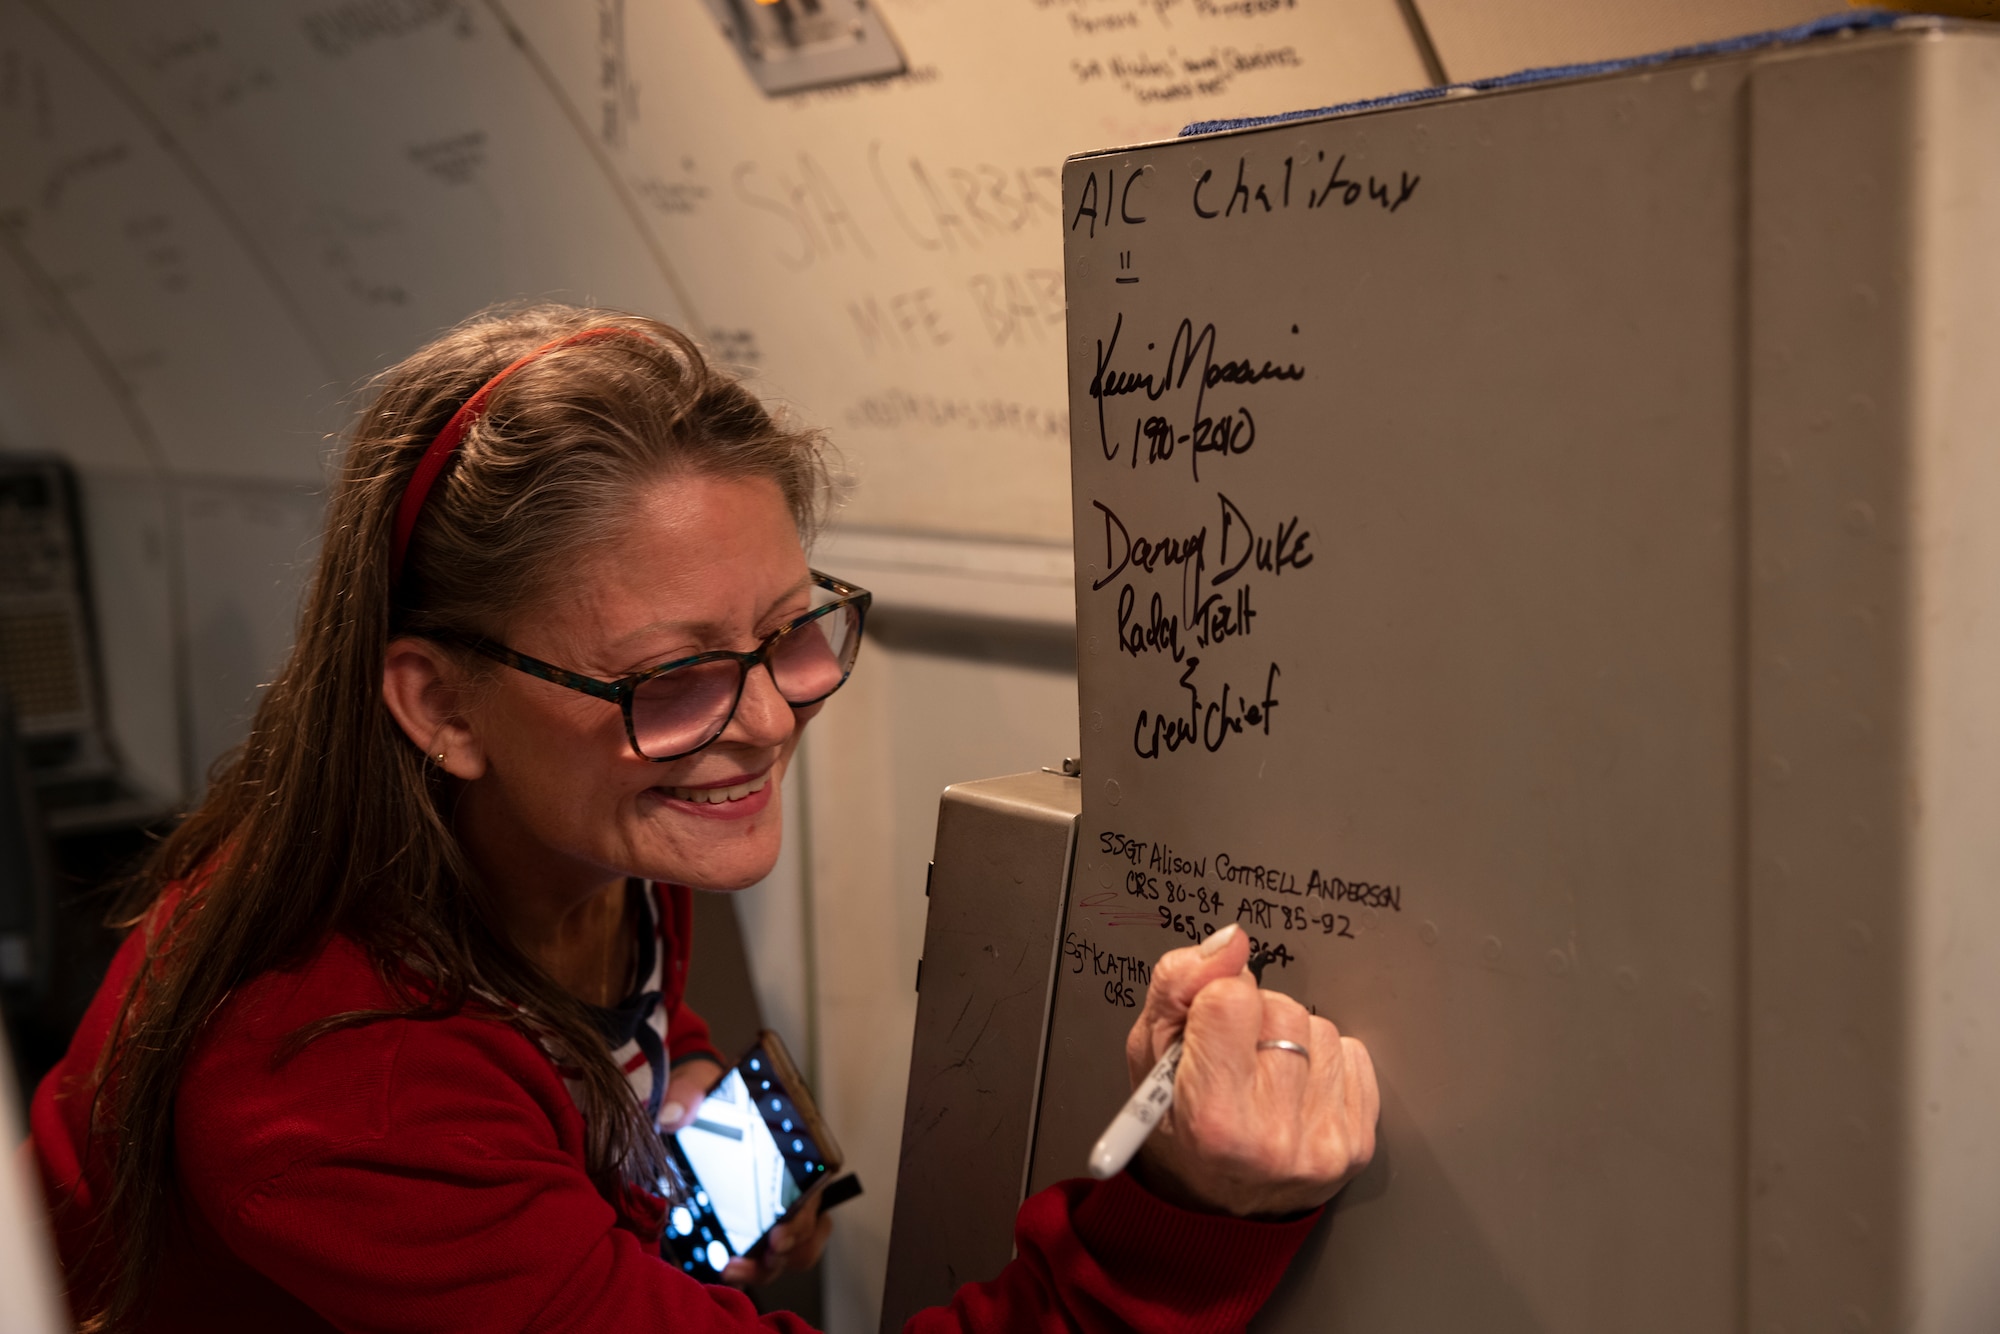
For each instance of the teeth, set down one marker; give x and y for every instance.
(715, 796)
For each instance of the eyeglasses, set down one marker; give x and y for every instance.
(680, 707)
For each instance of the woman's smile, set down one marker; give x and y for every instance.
(730, 799)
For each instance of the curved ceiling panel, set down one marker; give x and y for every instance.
(279, 197)
(392, 166)
(104, 219)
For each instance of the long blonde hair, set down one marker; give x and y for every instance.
(327, 820)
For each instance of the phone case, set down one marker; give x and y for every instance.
(695, 1238)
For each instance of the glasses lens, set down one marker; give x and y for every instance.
(684, 708)
(810, 663)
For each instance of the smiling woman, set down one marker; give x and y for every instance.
(399, 1024)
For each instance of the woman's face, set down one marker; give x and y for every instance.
(703, 563)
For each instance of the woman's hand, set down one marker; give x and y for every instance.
(792, 1244)
(1251, 1132)
(687, 1085)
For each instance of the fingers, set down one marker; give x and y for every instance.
(1258, 1129)
(1231, 1101)
(1284, 1073)
(786, 1236)
(1221, 1031)
(1341, 1106)
(1178, 977)
(1284, 1019)
(794, 1244)
(1364, 1098)
(1328, 1106)
(806, 1253)
(689, 1084)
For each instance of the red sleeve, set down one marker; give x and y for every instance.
(425, 1176)
(687, 1032)
(428, 1175)
(1110, 1256)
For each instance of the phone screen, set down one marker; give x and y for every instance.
(747, 1158)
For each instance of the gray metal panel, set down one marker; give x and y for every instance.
(1495, 818)
(1645, 653)
(1874, 1091)
(997, 890)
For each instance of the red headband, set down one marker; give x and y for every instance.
(431, 466)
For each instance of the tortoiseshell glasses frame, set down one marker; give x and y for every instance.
(680, 707)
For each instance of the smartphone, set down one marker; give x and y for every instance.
(754, 1153)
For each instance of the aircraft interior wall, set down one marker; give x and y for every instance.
(218, 218)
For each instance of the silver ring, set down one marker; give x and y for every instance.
(1280, 1044)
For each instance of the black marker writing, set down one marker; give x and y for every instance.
(1089, 206)
(1349, 191)
(1251, 196)
(1208, 723)
(1286, 917)
(1122, 972)
(1283, 550)
(1226, 433)
(1211, 617)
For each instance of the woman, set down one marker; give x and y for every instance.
(399, 1017)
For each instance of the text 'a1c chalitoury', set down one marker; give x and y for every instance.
(1316, 183)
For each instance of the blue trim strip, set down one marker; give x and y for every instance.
(1853, 21)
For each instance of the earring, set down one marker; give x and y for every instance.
(439, 757)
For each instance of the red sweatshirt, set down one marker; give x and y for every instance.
(428, 1175)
